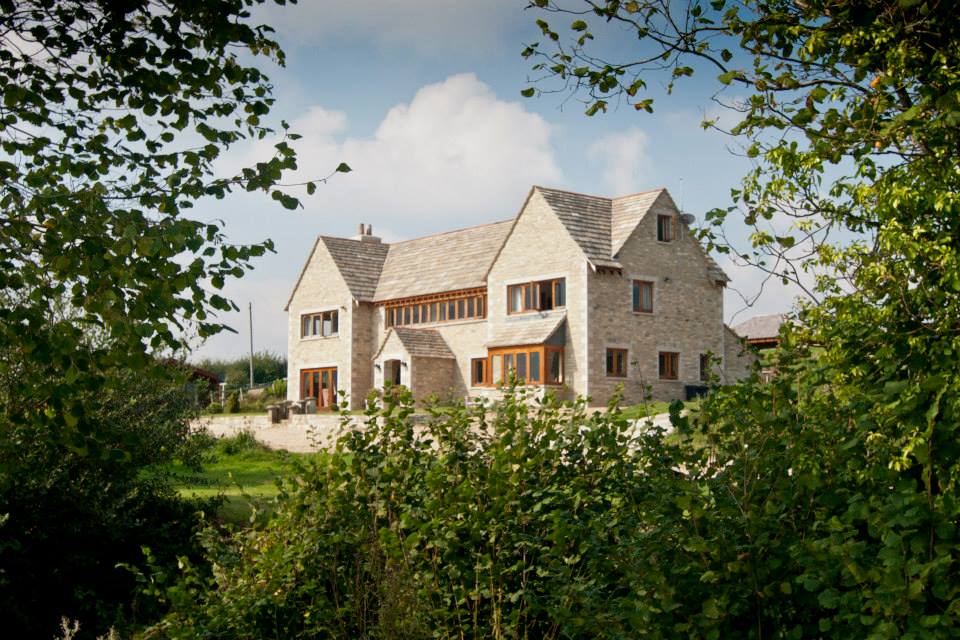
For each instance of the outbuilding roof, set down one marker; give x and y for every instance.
(761, 327)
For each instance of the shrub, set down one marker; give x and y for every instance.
(214, 407)
(523, 526)
(233, 403)
(238, 443)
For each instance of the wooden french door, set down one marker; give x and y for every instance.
(320, 384)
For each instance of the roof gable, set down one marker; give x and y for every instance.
(587, 220)
(626, 213)
(359, 264)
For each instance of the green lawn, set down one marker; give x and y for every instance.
(241, 470)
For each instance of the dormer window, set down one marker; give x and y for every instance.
(666, 230)
(537, 296)
(325, 324)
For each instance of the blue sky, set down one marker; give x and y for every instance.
(422, 99)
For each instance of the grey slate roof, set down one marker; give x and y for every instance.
(359, 262)
(461, 259)
(587, 220)
(760, 327)
(420, 343)
(442, 262)
(626, 213)
(527, 330)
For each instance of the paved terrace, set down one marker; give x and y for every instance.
(306, 433)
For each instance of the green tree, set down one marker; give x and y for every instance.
(852, 117)
(112, 117)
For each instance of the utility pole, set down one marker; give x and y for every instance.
(251, 344)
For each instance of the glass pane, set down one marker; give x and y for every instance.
(334, 381)
(433, 312)
(647, 296)
(610, 369)
(416, 313)
(528, 297)
(508, 369)
(471, 307)
(481, 304)
(406, 315)
(497, 374)
(546, 295)
(335, 322)
(522, 366)
(315, 385)
(516, 298)
(443, 311)
(636, 295)
(560, 293)
(451, 310)
(534, 366)
(554, 372)
(316, 326)
(461, 308)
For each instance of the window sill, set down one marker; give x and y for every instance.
(316, 338)
(643, 313)
(504, 386)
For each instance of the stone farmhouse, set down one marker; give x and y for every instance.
(577, 295)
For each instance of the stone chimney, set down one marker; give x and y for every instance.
(365, 233)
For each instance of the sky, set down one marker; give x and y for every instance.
(421, 98)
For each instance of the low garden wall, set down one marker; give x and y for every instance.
(299, 433)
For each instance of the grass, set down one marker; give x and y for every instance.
(648, 409)
(240, 470)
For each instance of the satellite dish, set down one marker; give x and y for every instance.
(687, 218)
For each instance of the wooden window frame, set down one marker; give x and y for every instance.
(618, 359)
(531, 298)
(636, 294)
(432, 309)
(670, 231)
(484, 378)
(668, 365)
(542, 369)
(311, 319)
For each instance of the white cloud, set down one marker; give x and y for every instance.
(268, 296)
(625, 165)
(455, 154)
(426, 26)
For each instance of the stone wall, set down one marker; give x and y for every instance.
(321, 289)
(737, 356)
(434, 377)
(364, 346)
(539, 248)
(687, 315)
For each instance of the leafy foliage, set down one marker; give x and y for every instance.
(112, 117)
(543, 521)
(852, 117)
(71, 514)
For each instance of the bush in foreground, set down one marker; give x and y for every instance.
(758, 519)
